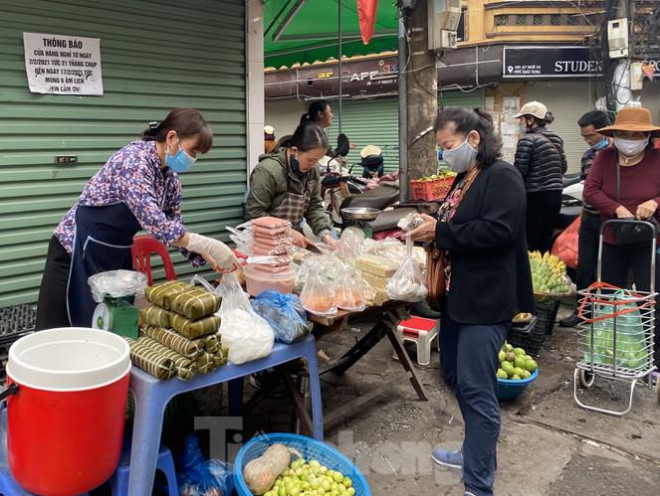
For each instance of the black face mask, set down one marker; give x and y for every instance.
(295, 165)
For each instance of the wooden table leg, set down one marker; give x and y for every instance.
(299, 403)
(359, 349)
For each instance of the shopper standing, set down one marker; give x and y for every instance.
(590, 220)
(624, 183)
(541, 160)
(480, 229)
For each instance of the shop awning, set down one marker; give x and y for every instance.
(299, 31)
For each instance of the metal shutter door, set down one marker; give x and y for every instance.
(369, 122)
(155, 56)
(568, 101)
(376, 122)
(459, 98)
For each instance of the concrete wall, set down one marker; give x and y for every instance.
(284, 115)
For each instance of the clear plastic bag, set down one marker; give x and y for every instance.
(407, 284)
(351, 291)
(117, 284)
(318, 295)
(350, 243)
(284, 313)
(247, 335)
(389, 248)
(199, 477)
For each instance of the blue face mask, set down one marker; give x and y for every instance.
(181, 162)
(523, 129)
(601, 144)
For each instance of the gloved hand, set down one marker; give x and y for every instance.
(218, 254)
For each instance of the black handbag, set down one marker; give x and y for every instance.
(632, 232)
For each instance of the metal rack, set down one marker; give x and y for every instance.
(617, 332)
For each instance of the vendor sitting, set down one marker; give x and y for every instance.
(372, 162)
(286, 184)
(137, 189)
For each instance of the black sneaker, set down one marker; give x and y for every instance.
(572, 320)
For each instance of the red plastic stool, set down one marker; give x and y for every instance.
(141, 251)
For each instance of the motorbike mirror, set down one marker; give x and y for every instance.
(343, 145)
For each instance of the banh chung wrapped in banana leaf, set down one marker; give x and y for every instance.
(162, 294)
(196, 303)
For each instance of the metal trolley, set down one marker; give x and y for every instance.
(617, 329)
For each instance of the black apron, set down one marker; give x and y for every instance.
(102, 242)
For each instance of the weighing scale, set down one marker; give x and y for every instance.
(114, 291)
(360, 217)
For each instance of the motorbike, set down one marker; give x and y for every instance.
(571, 202)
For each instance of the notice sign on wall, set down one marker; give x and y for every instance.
(63, 65)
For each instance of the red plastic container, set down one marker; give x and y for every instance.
(65, 424)
(435, 190)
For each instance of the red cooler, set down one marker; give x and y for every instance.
(66, 409)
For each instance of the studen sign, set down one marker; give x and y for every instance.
(549, 62)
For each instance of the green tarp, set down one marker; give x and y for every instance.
(299, 31)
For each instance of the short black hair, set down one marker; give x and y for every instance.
(306, 137)
(187, 123)
(596, 118)
(466, 120)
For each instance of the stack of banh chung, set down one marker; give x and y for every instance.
(179, 332)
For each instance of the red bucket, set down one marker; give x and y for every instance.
(67, 408)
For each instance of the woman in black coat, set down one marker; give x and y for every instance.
(481, 229)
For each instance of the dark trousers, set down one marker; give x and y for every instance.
(620, 260)
(468, 355)
(588, 249)
(51, 308)
(542, 212)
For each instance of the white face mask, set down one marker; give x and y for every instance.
(460, 159)
(630, 148)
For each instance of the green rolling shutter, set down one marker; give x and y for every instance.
(155, 56)
(376, 122)
(457, 98)
(369, 122)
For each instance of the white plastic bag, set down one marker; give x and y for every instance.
(247, 335)
(407, 284)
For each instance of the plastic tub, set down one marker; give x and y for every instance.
(258, 281)
(311, 449)
(67, 410)
(508, 389)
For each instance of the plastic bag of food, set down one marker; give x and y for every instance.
(350, 243)
(284, 313)
(117, 284)
(351, 291)
(390, 248)
(318, 295)
(407, 284)
(247, 335)
(199, 477)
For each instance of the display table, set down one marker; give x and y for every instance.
(385, 320)
(152, 396)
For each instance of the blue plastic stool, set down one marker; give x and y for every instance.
(152, 396)
(165, 463)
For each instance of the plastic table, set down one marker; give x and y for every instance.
(152, 396)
